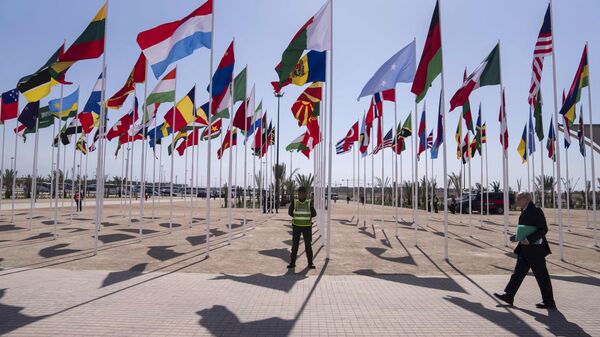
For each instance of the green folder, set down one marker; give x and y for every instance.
(523, 231)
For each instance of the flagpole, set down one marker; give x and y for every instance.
(401, 182)
(445, 166)
(229, 179)
(210, 120)
(144, 150)
(395, 161)
(65, 173)
(185, 178)
(416, 180)
(245, 217)
(2, 159)
(234, 179)
(470, 193)
(173, 158)
(34, 178)
(542, 177)
(194, 140)
(357, 193)
(121, 204)
(221, 174)
(585, 189)
(329, 206)
(425, 177)
(131, 183)
(559, 190)
(127, 174)
(382, 171)
(481, 174)
(153, 167)
(592, 156)
(14, 182)
(86, 176)
(365, 189)
(487, 180)
(431, 209)
(56, 177)
(567, 183)
(74, 161)
(372, 181)
(160, 175)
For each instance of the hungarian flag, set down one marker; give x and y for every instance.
(315, 34)
(227, 142)
(430, 65)
(310, 68)
(182, 114)
(172, 41)
(308, 103)
(580, 81)
(89, 45)
(37, 85)
(9, 105)
(137, 75)
(487, 73)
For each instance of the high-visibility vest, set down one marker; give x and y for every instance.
(302, 216)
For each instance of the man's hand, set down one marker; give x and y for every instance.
(524, 242)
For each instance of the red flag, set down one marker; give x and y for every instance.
(351, 136)
(122, 126)
(191, 140)
(137, 75)
(226, 144)
(9, 105)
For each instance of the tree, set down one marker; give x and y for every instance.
(519, 183)
(495, 186)
(407, 190)
(455, 181)
(7, 178)
(28, 186)
(305, 181)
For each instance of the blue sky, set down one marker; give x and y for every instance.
(365, 36)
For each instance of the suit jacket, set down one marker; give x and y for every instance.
(534, 216)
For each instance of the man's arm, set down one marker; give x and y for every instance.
(313, 211)
(540, 223)
(291, 209)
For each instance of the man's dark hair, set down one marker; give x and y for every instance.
(301, 189)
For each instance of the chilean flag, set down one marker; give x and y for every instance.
(170, 42)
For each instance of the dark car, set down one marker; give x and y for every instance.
(496, 202)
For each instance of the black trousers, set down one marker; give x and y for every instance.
(531, 256)
(306, 233)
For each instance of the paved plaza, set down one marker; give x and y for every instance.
(374, 284)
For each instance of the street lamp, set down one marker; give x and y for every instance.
(278, 95)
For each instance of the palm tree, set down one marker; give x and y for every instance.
(305, 181)
(279, 175)
(7, 178)
(407, 189)
(519, 183)
(495, 185)
(455, 180)
(28, 186)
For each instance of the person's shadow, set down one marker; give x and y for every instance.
(556, 323)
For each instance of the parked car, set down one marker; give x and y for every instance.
(496, 202)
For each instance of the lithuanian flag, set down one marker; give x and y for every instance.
(89, 45)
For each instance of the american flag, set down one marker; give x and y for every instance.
(543, 47)
(388, 141)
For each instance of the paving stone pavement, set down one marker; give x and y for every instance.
(42, 302)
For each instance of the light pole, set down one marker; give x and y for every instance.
(278, 95)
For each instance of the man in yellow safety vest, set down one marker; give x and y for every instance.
(302, 211)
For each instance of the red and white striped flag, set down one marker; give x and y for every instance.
(543, 48)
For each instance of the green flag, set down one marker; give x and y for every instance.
(537, 113)
(239, 86)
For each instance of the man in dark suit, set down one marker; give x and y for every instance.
(531, 253)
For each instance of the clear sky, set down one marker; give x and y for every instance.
(365, 36)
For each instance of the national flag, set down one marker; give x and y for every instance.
(87, 121)
(465, 153)
(158, 133)
(179, 136)
(339, 147)
(163, 92)
(530, 135)
(522, 148)
(430, 65)
(123, 125)
(89, 45)
(543, 48)
(400, 68)
(466, 110)
(351, 136)
(214, 132)
(243, 116)
(422, 135)
(503, 124)
(81, 145)
(537, 114)
(65, 138)
(315, 34)
(9, 106)
(239, 85)
(297, 144)
(458, 137)
(172, 41)
(183, 113)
(439, 137)
(487, 73)
(483, 134)
(376, 107)
(550, 141)
(137, 75)
(28, 118)
(45, 119)
(190, 140)
(406, 130)
(307, 103)
(478, 140)
(580, 81)
(430, 139)
(364, 137)
(566, 132)
(93, 102)
(309, 141)
(310, 68)
(202, 114)
(221, 82)
(69, 107)
(580, 134)
(92, 146)
(388, 139)
(227, 143)
(38, 85)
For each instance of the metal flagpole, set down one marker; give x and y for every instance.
(432, 188)
(154, 171)
(330, 145)
(542, 177)
(395, 161)
(365, 189)
(568, 185)
(470, 194)
(592, 141)
(221, 174)
(372, 182)
(85, 177)
(245, 217)
(229, 180)
(73, 169)
(65, 173)
(382, 173)
(481, 179)
(56, 177)
(445, 169)
(99, 163)
(131, 183)
(144, 150)
(34, 178)
(559, 189)
(504, 155)
(160, 176)
(173, 158)
(401, 187)
(122, 181)
(127, 174)
(185, 179)
(2, 159)
(585, 191)
(357, 195)
(425, 177)
(487, 181)
(234, 181)
(210, 120)
(415, 180)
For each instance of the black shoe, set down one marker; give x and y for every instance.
(505, 298)
(291, 265)
(545, 306)
(311, 266)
